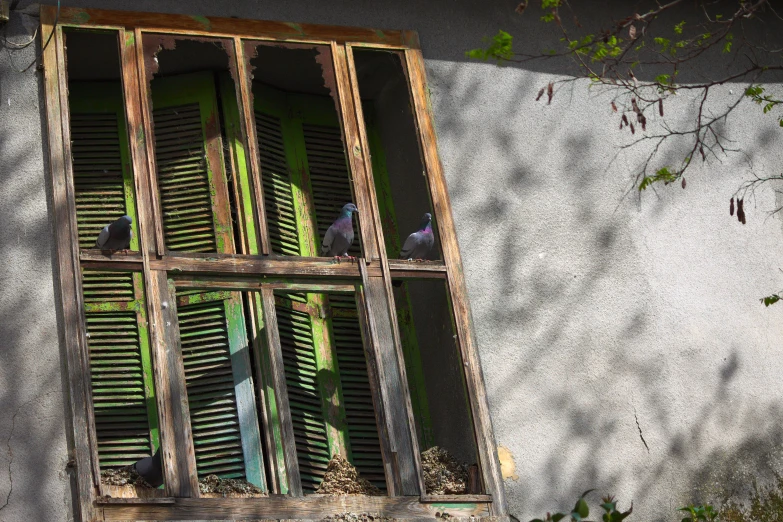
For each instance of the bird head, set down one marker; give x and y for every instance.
(120, 226)
(349, 209)
(425, 220)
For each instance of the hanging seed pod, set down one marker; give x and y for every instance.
(731, 207)
(633, 131)
(614, 107)
(701, 150)
(540, 94)
(625, 120)
(683, 183)
(621, 124)
(635, 106)
(644, 122)
(639, 117)
(660, 106)
(632, 31)
(521, 7)
(740, 212)
(550, 91)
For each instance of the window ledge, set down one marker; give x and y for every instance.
(453, 499)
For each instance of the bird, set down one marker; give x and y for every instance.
(419, 243)
(116, 236)
(339, 237)
(150, 469)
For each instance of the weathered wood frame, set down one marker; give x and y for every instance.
(373, 274)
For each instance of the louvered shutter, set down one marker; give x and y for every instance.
(191, 175)
(121, 377)
(224, 422)
(357, 395)
(102, 177)
(304, 395)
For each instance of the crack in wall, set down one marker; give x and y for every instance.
(10, 450)
(638, 427)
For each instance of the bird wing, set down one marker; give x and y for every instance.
(326, 244)
(103, 237)
(410, 244)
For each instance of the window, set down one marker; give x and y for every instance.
(223, 334)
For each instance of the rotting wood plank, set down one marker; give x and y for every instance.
(145, 105)
(176, 441)
(362, 184)
(253, 284)
(70, 200)
(485, 439)
(455, 499)
(281, 393)
(214, 26)
(67, 271)
(314, 507)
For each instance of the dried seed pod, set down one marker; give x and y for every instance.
(660, 106)
(639, 117)
(550, 91)
(740, 212)
(731, 207)
(683, 183)
(625, 120)
(633, 131)
(701, 150)
(614, 107)
(540, 94)
(521, 7)
(635, 106)
(644, 122)
(632, 31)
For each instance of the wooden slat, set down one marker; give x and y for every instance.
(361, 183)
(278, 376)
(73, 228)
(201, 25)
(67, 271)
(485, 439)
(312, 507)
(448, 499)
(244, 88)
(176, 442)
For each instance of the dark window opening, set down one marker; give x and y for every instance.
(398, 169)
(436, 380)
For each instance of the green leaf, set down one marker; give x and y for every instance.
(781, 122)
(558, 516)
(678, 27)
(582, 508)
(499, 48)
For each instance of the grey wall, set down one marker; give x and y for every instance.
(600, 318)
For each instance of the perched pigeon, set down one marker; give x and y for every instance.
(150, 469)
(116, 236)
(339, 237)
(419, 244)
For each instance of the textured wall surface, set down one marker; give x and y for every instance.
(623, 344)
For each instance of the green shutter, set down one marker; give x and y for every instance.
(357, 395)
(304, 395)
(121, 377)
(193, 190)
(102, 177)
(221, 398)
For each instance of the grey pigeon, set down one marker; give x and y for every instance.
(339, 237)
(116, 236)
(419, 244)
(150, 469)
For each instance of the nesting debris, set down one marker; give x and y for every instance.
(342, 478)
(358, 517)
(125, 476)
(225, 487)
(443, 475)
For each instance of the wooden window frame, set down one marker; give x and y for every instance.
(371, 275)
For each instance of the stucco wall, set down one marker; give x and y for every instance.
(599, 318)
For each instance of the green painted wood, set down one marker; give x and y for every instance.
(218, 379)
(103, 179)
(183, 108)
(126, 422)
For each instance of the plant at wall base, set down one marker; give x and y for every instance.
(699, 513)
(637, 59)
(581, 511)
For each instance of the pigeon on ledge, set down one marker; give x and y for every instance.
(150, 469)
(339, 237)
(419, 244)
(116, 236)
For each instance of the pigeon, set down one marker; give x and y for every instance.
(419, 244)
(116, 236)
(150, 469)
(339, 237)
